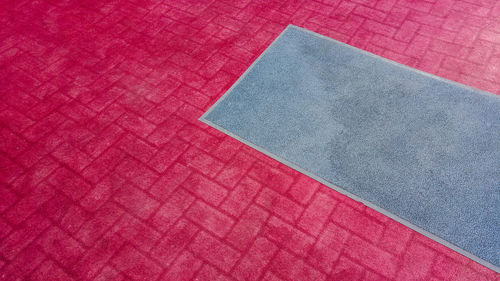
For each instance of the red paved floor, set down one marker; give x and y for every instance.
(106, 174)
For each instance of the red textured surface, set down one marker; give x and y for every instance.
(106, 174)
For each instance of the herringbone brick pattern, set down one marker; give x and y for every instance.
(106, 174)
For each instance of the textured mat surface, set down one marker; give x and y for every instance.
(107, 174)
(418, 146)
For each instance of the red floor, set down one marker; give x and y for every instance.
(106, 174)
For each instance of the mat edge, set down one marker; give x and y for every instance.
(479, 91)
(329, 184)
(357, 198)
(290, 26)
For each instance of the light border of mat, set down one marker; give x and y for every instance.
(329, 184)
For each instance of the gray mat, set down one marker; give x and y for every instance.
(420, 149)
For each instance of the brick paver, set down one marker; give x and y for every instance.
(106, 174)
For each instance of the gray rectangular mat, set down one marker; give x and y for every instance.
(421, 149)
